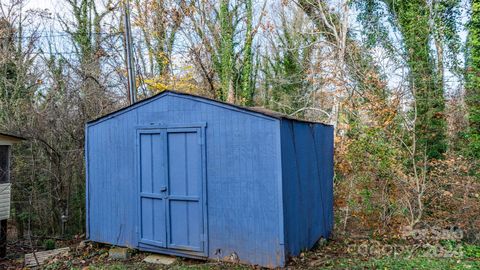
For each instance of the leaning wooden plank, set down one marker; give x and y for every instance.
(43, 256)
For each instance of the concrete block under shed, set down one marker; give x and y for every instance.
(159, 259)
(118, 253)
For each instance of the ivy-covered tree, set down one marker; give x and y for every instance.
(247, 91)
(9, 89)
(287, 68)
(223, 41)
(428, 33)
(412, 19)
(227, 91)
(7, 64)
(16, 88)
(159, 23)
(86, 33)
(472, 95)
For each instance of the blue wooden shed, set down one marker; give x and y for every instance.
(186, 175)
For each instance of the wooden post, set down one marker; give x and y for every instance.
(132, 88)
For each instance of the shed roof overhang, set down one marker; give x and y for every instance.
(9, 139)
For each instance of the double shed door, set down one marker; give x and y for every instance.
(171, 195)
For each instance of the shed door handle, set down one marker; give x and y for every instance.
(163, 189)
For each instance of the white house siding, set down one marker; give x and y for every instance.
(4, 201)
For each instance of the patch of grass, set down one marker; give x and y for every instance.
(393, 263)
(422, 263)
(179, 265)
(115, 267)
(53, 266)
(471, 251)
(213, 267)
(176, 266)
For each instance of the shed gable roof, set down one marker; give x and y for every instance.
(252, 110)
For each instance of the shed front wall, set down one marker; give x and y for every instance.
(307, 162)
(243, 171)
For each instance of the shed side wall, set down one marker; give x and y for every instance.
(307, 161)
(242, 178)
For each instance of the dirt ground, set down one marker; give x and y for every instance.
(333, 254)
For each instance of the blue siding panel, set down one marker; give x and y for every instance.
(324, 143)
(307, 166)
(111, 182)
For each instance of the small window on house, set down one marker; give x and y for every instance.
(4, 163)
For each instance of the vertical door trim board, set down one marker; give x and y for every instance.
(280, 189)
(87, 184)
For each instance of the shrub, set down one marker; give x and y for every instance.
(49, 244)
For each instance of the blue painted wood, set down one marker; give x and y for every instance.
(153, 183)
(87, 200)
(266, 183)
(185, 215)
(307, 159)
(324, 138)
